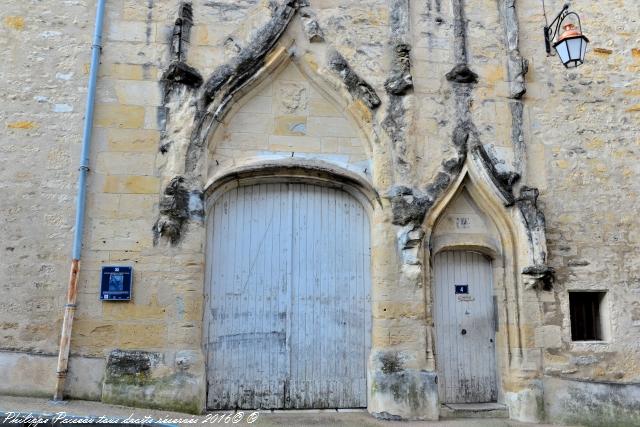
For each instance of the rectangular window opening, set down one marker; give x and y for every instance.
(587, 313)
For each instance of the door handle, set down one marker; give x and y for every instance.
(463, 332)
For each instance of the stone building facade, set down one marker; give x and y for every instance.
(445, 120)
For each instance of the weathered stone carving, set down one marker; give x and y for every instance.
(461, 73)
(540, 277)
(310, 25)
(395, 125)
(181, 32)
(517, 66)
(227, 79)
(182, 198)
(179, 203)
(179, 73)
(357, 87)
(408, 205)
(400, 79)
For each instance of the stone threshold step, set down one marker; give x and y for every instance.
(473, 410)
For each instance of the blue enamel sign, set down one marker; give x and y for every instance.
(116, 283)
(462, 289)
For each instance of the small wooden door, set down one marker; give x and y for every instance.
(288, 313)
(465, 327)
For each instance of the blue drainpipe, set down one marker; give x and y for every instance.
(72, 291)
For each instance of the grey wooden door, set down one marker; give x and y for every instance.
(288, 313)
(465, 327)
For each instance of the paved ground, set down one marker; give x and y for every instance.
(264, 419)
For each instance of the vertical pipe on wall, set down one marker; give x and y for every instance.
(72, 290)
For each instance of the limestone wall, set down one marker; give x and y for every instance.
(334, 86)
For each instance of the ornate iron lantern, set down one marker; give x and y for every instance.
(571, 45)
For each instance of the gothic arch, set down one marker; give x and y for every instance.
(198, 107)
(513, 255)
(285, 58)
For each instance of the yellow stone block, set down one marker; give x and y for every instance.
(494, 74)
(21, 125)
(395, 310)
(14, 22)
(309, 59)
(323, 108)
(291, 125)
(201, 35)
(131, 184)
(595, 143)
(96, 334)
(132, 311)
(361, 111)
(124, 71)
(135, 140)
(600, 51)
(137, 335)
(119, 116)
(122, 163)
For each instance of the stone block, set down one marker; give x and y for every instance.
(295, 143)
(131, 31)
(173, 381)
(330, 126)
(133, 140)
(244, 141)
(124, 163)
(28, 374)
(591, 403)
(322, 108)
(133, 311)
(251, 123)
(14, 22)
(141, 335)
(400, 393)
(119, 116)
(121, 234)
(131, 184)
(146, 93)
(92, 335)
(291, 125)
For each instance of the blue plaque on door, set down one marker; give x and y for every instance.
(462, 289)
(116, 283)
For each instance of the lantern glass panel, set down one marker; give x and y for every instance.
(563, 51)
(584, 49)
(575, 48)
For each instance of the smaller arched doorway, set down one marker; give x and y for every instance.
(288, 318)
(466, 260)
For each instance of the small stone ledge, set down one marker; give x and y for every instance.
(461, 73)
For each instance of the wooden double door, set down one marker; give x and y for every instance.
(288, 315)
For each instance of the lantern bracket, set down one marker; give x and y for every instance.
(551, 30)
